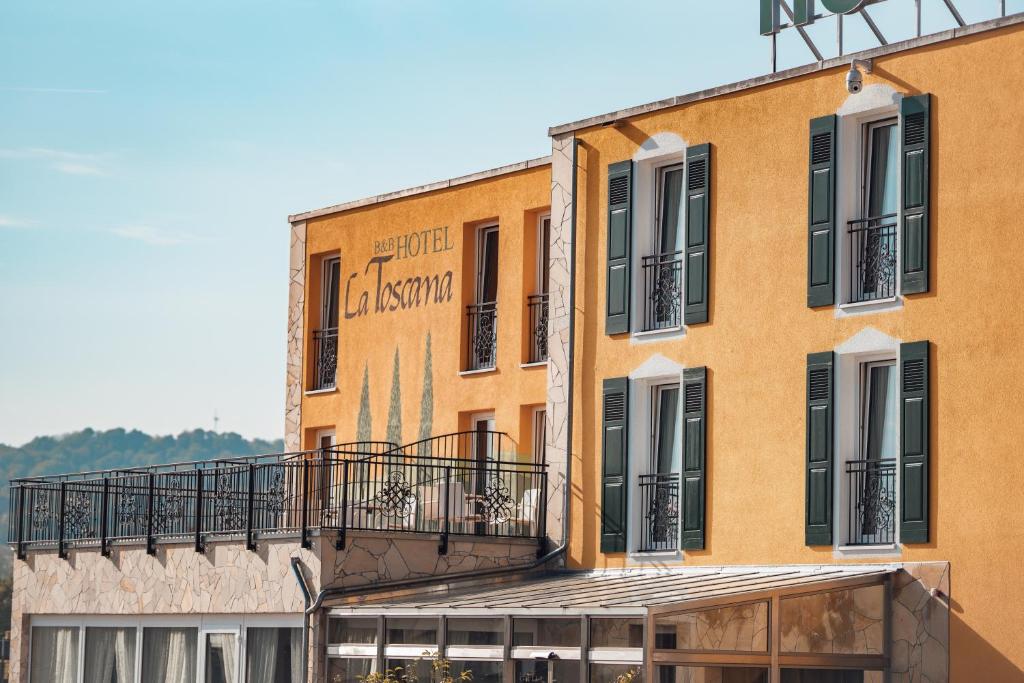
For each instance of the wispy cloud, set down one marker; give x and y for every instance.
(60, 160)
(153, 236)
(55, 91)
(11, 222)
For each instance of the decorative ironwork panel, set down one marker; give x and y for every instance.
(872, 500)
(873, 259)
(659, 505)
(483, 335)
(663, 291)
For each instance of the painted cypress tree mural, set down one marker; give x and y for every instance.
(394, 434)
(364, 428)
(427, 401)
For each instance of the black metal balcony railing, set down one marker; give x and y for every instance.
(663, 289)
(872, 496)
(325, 358)
(482, 349)
(873, 258)
(467, 483)
(538, 307)
(659, 507)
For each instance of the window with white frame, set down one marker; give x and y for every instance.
(659, 484)
(483, 312)
(539, 436)
(252, 649)
(872, 231)
(325, 339)
(870, 479)
(662, 265)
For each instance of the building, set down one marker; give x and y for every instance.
(724, 390)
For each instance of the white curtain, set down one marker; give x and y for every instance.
(266, 647)
(169, 655)
(54, 655)
(296, 651)
(261, 655)
(109, 655)
(221, 658)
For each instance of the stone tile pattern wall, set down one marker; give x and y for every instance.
(296, 338)
(560, 286)
(920, 623)
(372, 559)
(740, 628)
(227, 579)
(837, 622)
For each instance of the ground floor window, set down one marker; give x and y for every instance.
(178, 649)
(54, 655)
(349, 669)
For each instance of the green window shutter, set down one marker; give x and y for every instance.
(818, 516)
(821, 213)
(698, 193)
(620, 237)
(694, 452)
(914, 437)
(915, 130)
(614, 460)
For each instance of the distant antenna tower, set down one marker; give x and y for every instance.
(216, 421)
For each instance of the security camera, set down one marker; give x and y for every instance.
(854, 81)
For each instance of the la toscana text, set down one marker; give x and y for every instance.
(401, 294)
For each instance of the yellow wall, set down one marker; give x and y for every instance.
(370, 341)
(761, 330)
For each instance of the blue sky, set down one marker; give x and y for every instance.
(150, 154)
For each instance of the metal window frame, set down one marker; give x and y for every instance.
(327, 263)
(868, 129)
(863, 407)
(481, 261)
(661, 173)
(774, 660)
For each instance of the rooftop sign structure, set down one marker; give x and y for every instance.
(777, 16)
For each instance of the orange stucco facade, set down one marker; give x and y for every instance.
(760, 329)
(407, 274)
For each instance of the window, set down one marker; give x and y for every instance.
(273, 655)
(483, 312)
(873, 235)
(110, 655)
(476, 632)
(537, 303)
(540, 436)
(325, 339)
(871, 478)
(663, 268)
(421, 631)
(54, 655)
(659, 487)
(351, 648)
(544, 254)
(220, 657)
(168, 654)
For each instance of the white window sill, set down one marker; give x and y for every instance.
(318, 392)
(646, 557)
(881, 550)
(481, 371)
(663, 332)
(537, 364)
(873, 306)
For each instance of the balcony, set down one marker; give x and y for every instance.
(325, 358)
(482, 349)
(872, 499)
(872, 244)
(537, 304)
(663, 287)
(467, 483)
(659, 509)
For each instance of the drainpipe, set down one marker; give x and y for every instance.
(306, 599)
(544, 559)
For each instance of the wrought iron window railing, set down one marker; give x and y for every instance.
(482, 349)
(872, 499)
(325, 358)
(538, 308)
(466, 483)
(872, 243)
(659, 509)
(663, 291)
